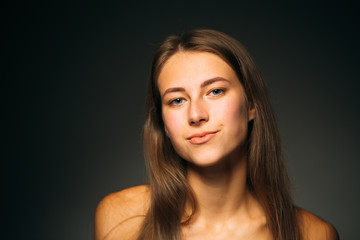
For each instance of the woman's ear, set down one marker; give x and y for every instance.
(166, 131)
(251, 112)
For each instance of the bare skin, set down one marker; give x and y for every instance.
(206, 116)
(120, 215)
(222, 212)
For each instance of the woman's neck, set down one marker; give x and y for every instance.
(221, 191)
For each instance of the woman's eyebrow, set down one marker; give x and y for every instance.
(212, 80)
(174, 89)
(203, 84)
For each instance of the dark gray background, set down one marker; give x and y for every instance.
(73, 93)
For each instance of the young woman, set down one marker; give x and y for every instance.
(212, 151)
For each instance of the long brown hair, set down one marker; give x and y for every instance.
(267, 176)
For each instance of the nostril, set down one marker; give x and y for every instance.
(195, 122)
(197, 113)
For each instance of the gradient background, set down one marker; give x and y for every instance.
(73, 91)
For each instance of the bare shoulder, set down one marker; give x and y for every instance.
(121, 213)
(315, 228)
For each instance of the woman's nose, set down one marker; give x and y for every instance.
(198, 113)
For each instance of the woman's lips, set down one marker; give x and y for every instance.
(200, 138)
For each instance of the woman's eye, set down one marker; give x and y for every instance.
(177, 101)
(217, 92)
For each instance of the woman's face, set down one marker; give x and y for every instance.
(204, 109)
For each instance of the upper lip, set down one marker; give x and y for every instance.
(202, 134)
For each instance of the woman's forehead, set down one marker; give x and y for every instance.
(192, 68)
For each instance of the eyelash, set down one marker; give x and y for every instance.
(221, 91)
(178, 101)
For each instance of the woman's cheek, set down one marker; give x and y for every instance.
(230, 108)
(240, 105)
(173, 123)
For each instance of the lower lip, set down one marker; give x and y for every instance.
(201, 140)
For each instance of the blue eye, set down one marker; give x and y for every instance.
(177, 101)
(217, 92)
